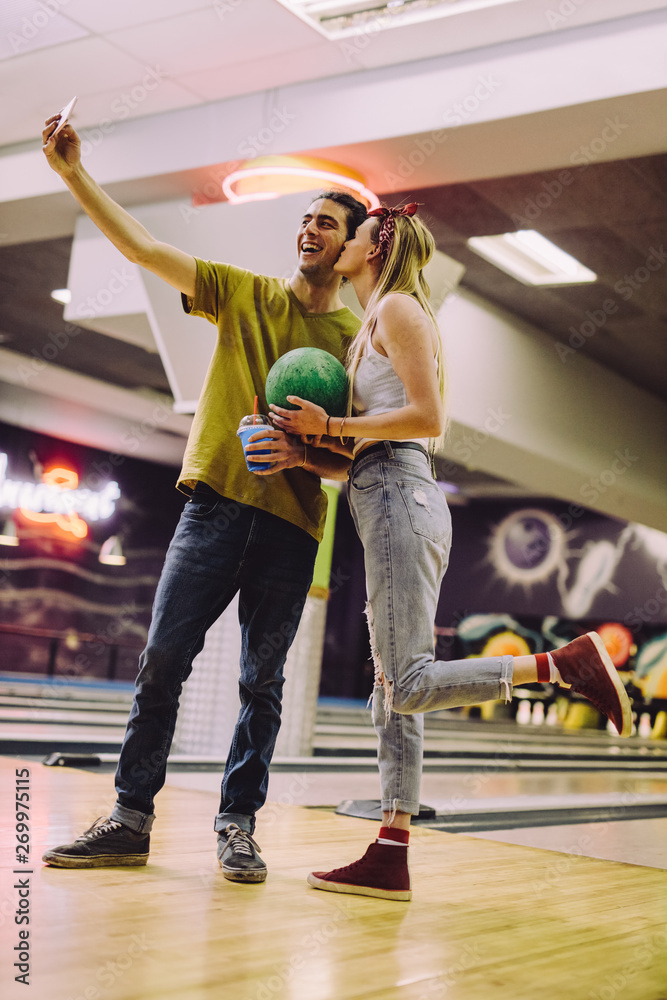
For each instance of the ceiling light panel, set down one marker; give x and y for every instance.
(531, 258)
(341, 18)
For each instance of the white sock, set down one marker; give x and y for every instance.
(392, 843)
(554, 673)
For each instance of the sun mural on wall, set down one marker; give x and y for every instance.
(530, 547)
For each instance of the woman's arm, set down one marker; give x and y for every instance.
(405, 334)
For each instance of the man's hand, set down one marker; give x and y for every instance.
(64, 151)
(286, 451)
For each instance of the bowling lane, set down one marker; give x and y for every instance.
(634, 842)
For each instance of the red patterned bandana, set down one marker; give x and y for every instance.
(386, 234)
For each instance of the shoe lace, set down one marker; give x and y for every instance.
(102, 825)
(240, 842)
(349, 868)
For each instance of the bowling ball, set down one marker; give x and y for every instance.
(312, 374)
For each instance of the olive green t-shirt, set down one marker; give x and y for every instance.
(258, 320)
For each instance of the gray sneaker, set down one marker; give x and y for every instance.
(106, 844)
(238, 856)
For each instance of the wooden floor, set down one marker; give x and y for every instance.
(488, 921)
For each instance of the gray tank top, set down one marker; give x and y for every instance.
(377, 389)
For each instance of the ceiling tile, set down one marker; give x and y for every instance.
(130, 102)
(591, 299)
(65, 68)
(103, 17)
(618, 194)
(609, 192)
(454, 212)
(637, 350)
(467, 212)
(279, 70)
(27, 25)
(653, 170)
(22, 119)
(252, 31)
(537, 201)
(630, 273)
(644, 237)
(597, 247)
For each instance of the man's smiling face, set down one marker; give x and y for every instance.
(321, 236)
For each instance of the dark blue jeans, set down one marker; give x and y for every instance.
(219, 547)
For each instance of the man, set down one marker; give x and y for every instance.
(240, 532)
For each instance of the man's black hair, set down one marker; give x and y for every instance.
(356, 212)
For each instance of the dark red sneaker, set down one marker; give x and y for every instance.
(586, 667)
(382, 872)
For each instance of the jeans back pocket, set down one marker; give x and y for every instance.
(427, 509)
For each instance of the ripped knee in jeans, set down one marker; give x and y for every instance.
(379, 679)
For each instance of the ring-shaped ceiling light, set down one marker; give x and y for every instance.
(272, 176)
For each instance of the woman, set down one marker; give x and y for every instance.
(397, 374)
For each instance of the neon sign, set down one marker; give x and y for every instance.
(267, 177)
(57, 499)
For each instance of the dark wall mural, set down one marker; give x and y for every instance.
(63, 507)
(84, 536)
(536, 558)
(523, 577)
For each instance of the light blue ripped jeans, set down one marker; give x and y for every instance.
(405, 526)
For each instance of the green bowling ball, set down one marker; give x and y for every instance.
(312, 374)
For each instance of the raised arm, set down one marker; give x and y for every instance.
(64, 156)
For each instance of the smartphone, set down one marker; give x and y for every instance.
(64, 115)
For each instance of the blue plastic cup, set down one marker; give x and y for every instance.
(251, 425)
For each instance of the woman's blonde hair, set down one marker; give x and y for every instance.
(402, 271)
